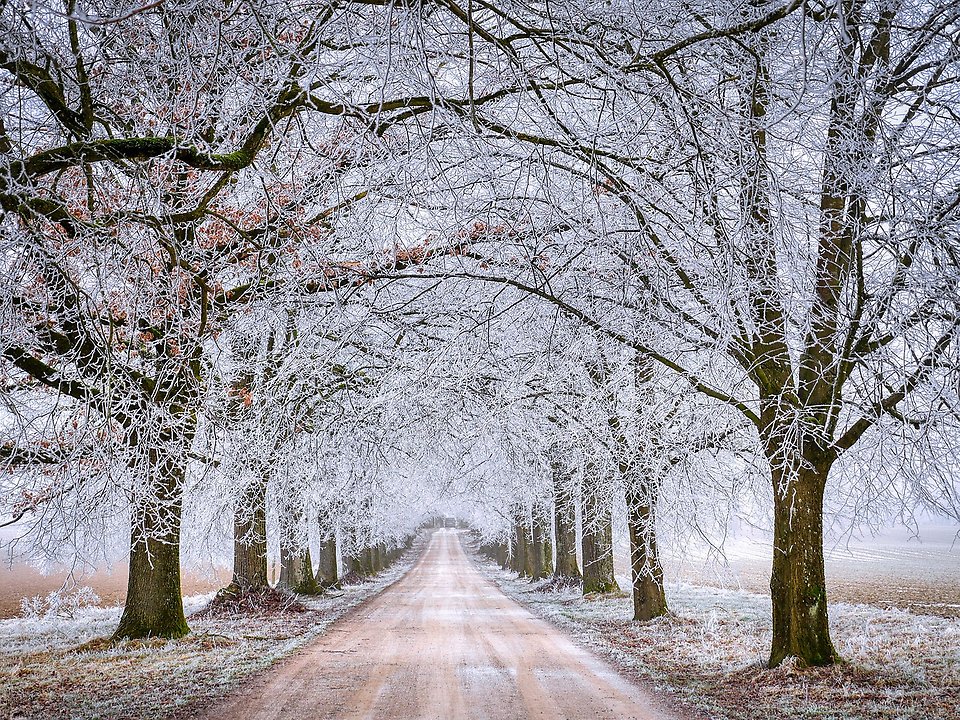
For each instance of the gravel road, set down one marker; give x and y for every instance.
(442, 643)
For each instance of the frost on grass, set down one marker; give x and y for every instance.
(710, 652)
(61, 665)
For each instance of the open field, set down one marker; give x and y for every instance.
(893, 570)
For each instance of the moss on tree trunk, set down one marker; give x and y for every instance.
(596, 543)
(649, 600)
(328, 575)
(296, 571)
(797, 584)
(154, 602)
(566, 529)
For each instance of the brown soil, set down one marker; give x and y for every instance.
(442, 643)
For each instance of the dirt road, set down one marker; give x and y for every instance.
(443, 643)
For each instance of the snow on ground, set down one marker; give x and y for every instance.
(55, 666)
(710, 653)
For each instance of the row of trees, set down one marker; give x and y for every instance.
(361, 261)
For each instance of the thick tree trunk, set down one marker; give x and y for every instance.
(370, 560)
(596, 542)
(250, 540)
(566, 530)
(328, 575)
(521, 550)
(649, 600)
(296, 571)
(358, 562)
(296, 566)
(154, 603)
(797, 583)
(528, 553)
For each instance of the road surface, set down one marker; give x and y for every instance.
(442, 643)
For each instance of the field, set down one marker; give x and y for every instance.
(891, 570)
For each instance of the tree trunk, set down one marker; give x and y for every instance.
(357, 562)
(528, 554)
(797, 583)
(566, 529)
(296, 566)
(537, 551)
(296, 571)
(370, 559)
(328, 575)
(502, 555)
(649, 600)
(547, 549)
(521, 550)
(154, 603)
(250, 540)
(596, 542)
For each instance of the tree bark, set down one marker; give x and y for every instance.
(797, 584)
(250, 540)
(296, 571)
(521, 554)
(154, 603)
(547, 549)
(649, 599)
(296, 565)
(537, 569)
(370, 559)
(596, 541)
(358, 563)
(503, 555)
(528, 553)
(566, 530)
(328, 575)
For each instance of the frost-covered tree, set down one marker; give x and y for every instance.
(163, 168)
(764, 202)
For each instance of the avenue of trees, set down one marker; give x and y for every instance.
(299, 276)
